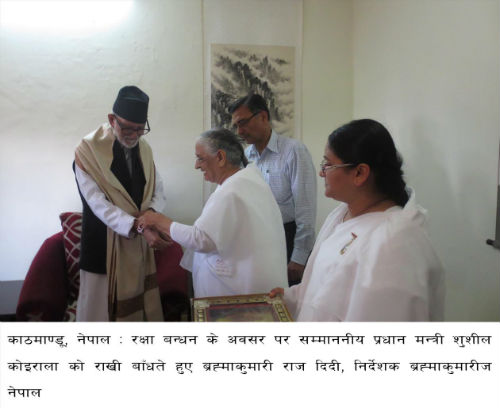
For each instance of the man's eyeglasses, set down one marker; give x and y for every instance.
(324, 167)
(243, 122)
(129, 131)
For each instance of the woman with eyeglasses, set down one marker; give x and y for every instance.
(372, 260)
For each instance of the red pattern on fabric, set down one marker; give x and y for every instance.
(72, 230)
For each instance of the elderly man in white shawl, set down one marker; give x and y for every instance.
(237, 245)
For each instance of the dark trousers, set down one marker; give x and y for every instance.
(290, 229)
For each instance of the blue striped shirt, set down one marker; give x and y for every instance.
(287, 167)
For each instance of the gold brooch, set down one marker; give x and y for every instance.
(344, 248)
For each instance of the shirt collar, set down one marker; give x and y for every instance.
(273, 142)
(272, 145)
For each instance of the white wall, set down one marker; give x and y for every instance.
(327, 80)
(55, 88)
(429, 70)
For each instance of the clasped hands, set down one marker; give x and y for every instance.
(146, 224)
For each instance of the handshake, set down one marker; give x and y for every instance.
(154, 227)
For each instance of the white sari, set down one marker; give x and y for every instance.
(243, 224)
(379, 266)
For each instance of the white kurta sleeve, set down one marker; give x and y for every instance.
(158, 200)
(114, 217)
(191, 237)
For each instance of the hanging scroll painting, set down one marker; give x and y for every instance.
(237, 70)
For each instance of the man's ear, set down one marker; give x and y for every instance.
(361, 174)
(111, 119)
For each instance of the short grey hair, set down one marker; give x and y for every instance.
(224, 139)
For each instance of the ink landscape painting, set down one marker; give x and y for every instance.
(237, 70)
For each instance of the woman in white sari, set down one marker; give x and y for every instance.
(372, 260)
(237, 245)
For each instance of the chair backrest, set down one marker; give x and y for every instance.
(174, 282)
(44, 295)
(50, 289)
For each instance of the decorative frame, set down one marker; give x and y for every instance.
(242, 308)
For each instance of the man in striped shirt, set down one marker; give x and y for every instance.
(287, 167)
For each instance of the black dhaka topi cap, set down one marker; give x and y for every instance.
(132, 104)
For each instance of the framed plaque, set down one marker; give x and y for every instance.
(243, 308)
